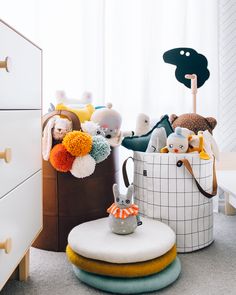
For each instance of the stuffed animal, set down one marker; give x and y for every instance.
(62, 98)
(92, 128)
(84, 114)
(177, 142)
(56, 128)
(123, 218)
(193, 122)
(109, 120)
(210, 145)
(142, 124)
(197, 143)
(157, 140)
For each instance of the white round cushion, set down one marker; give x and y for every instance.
(95, 240)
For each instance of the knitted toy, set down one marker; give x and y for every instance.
(56, 128)
(142, 124)
(123, 218)
(193, 122)
(177, 142)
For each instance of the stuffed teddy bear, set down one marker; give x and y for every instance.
(56, 128)
(193, 122)
(123, 218)
(177, 142)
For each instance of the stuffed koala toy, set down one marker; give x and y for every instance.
(56, 128)
(123, 218)
(193, 122)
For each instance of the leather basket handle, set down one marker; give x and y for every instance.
(187, 165)
(124, 172)
(71, 116)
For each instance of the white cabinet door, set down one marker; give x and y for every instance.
(20, 88)
(20, 220)
(21, 132)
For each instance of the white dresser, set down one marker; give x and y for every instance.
(20, 151)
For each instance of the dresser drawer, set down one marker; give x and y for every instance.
(20, 88)
(20, 220)
(21, 132)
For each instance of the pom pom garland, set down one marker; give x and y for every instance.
(60, 158)
(83, 166)
(78, 143)
(101, 149)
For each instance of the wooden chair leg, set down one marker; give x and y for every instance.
(229, 209)
(24, 267)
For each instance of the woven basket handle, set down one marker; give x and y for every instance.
(187, 165)
(124, 172)
(71, 116)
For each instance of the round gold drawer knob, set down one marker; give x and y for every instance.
(6, 64)
(6, 155)
(7, 245)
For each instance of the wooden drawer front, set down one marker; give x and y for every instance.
(20, 220)
(20, 88)
(20, 131)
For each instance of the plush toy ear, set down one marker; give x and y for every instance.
(212, 122)
(47, 138)
(115, 191)
(130, 192)
(173, 117)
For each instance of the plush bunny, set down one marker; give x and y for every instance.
(123, 218)
(56, 128)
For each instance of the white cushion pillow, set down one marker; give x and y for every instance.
(95, 240)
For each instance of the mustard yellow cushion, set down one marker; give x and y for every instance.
(83, 114)
(138, 269)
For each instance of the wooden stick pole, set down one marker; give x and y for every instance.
(193, 79)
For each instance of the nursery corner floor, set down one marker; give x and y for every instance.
(211, 271)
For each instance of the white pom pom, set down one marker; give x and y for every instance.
(109, 105)
(83, 166)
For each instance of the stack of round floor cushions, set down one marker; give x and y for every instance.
(143, 261)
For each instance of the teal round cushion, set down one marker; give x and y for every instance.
(134, 285)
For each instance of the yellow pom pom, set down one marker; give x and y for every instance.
(78, 143)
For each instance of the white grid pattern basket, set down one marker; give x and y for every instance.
(168, 193)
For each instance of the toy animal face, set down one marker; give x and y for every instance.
(61, 128)
(177, 145)
(109, 120)
(92, 128)
(123, 201)
(109, 133)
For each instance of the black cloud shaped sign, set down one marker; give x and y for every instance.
(188, 61)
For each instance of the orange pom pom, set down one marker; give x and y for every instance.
(60, 158)
(78, 143)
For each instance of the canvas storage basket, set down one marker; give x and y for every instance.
(164, 189)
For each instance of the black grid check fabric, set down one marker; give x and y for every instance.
(168, 193)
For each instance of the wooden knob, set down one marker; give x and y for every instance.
(6, 155)
(6, 64)
(7, 245)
